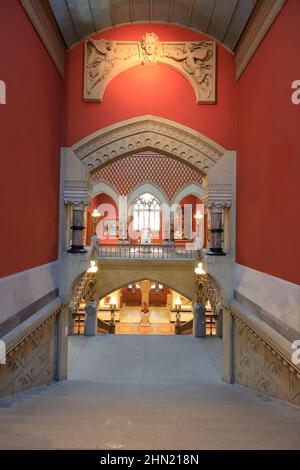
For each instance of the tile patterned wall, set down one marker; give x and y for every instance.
(169, 174)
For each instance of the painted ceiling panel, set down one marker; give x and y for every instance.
(223, 20)
(238, 23)
(160, 10)
(180, 11)
(141, 10)
(101, 13)
(81, 14)
(64, 21)
(122, 11)
(202, 10)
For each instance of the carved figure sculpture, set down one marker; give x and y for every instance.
(104, 59)
(150, 46)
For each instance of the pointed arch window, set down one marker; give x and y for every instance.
(146, 213)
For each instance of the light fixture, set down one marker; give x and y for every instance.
(198, 215)
(199, 269)
(112, 303)
(95, 213)
(178, 309)
(178, 303)
(93, 268)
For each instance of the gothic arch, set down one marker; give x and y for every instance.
(177, 275)
(148, 187)
(148, 132)
(191, 188)
(103, 187)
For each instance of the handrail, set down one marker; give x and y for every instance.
(270, 338)
(25, 330)
(145, 251)
(107, 327)
(184, 327)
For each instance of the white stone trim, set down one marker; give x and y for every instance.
(191, 188)
(260, 22)
(148, 132)
(102, 187)
(147, 187)
(20, 290)
(277, 297)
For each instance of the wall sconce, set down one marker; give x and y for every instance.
(198, 216)
(95, 218)
(112, 306)
(178, 309)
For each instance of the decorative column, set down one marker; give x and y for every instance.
(216, 228)
(172, 227)
(77, 244)
(199, 306)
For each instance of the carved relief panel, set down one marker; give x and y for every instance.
(105, 59)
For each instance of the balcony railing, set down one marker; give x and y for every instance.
(145, 251)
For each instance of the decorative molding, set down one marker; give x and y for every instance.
(260, 22)
(41, 16)
(219, 195)
(137, 134)
(105, 59)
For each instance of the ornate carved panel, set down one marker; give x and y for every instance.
(258, 366)
(137, 134)
(105, 59)
(31, 364)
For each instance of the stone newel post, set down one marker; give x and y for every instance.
(77, 244)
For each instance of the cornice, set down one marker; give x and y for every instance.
(260, 22)
(40, 15)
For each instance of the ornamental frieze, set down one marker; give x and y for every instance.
(105, 59)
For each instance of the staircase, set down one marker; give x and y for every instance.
(132, 401)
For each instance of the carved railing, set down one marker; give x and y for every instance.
(251, 325)
(145, 251)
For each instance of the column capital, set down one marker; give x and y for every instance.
(217, 205)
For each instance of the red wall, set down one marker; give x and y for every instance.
(29, 145)
(268, 145)
(108, 210)
(161, 91)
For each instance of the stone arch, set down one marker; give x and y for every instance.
(190, 188)
(148, 132)
(103, 187)
(114, 275)
(147, 187)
